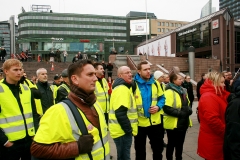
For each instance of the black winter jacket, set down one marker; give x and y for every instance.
(47, 95)
(189, 87)
(232, 129)
(199, 84)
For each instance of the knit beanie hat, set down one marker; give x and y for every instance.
(157, 74)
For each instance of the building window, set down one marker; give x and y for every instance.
(163, 23)
(166, 30)
(159, 23)
(167, 24)
(179, 25)
(176, 24)
(72, 18)
(163, 30)
(72, 26)
(159, 29)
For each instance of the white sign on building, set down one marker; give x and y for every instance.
(160, 47)
(139, 27)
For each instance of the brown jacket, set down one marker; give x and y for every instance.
(66, 150)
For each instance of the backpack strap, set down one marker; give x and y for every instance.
(78, 119)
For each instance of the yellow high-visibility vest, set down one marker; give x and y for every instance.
(11, 118)
(170, 122)
(54, 89)
(59, 125)
(122, 95)
(102, 95)
(154, 119)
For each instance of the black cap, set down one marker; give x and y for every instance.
(64, 73)
(56, 77)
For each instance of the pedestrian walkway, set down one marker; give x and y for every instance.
(190, 145)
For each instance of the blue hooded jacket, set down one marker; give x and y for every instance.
(146, 92)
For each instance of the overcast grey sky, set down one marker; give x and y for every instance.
(182, 10)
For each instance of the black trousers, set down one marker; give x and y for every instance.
(20, 149)
(176, 139)
(154, 133)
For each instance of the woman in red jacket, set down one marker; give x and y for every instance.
(212, 106)
(110, 82)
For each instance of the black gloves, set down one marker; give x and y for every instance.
(182, 114)
(85, 143)
(185, 111)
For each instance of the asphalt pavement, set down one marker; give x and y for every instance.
(189, 148)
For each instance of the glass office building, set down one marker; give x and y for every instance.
(5, 36)
(41, 32)
(233, 5)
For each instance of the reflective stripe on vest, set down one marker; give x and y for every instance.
(75, 128)
(130, 110)
(174, 103)
(17, 128)
(12, 120)
(15, 118)
(102, 95)
(54, 89)
(114, 126)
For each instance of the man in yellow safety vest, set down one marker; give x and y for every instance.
(63, 89)
(18, 116)
(123, 117)
(149, 100)
(101, 90)
(59, 136)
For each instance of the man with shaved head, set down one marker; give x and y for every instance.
(123, 113)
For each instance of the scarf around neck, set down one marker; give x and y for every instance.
(177, 88)
(89, 99)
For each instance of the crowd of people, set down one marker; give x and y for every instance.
(71, 118)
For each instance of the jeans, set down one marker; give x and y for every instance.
(64, 59)
(154, 133)
(176, 139)
(123, 145)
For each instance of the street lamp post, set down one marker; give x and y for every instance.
(146, 28)
(113, 43)
(52, 43)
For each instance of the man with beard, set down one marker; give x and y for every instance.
(149, 100)
(43, 86)
(59, 137)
